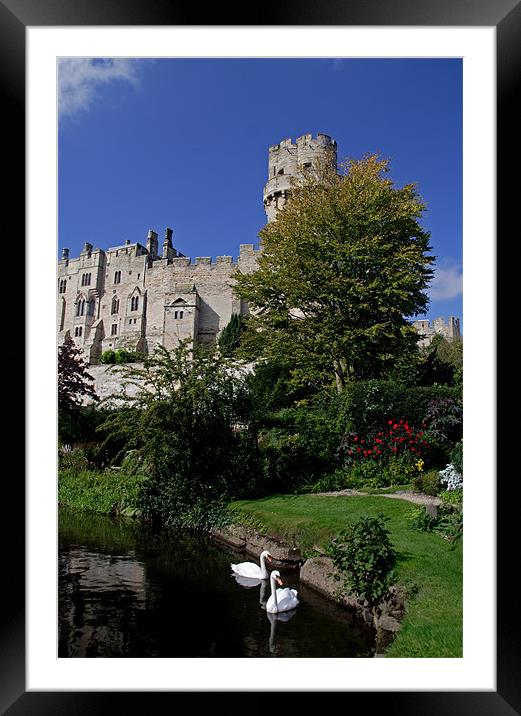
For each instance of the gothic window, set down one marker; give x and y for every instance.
(114, 331)
(134, 303)
(115, 306)
(178, 314)
(117, 277)
(80, 307)
(85, 279)
(90, 310)
(78, 331)
(63, 285)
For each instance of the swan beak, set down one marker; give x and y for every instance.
(279, 581)
(269, 558)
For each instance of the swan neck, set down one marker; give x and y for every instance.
(264, 571)
(274, 591)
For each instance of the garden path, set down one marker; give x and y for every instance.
(410, 496)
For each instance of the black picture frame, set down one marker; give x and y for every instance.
(15, 16)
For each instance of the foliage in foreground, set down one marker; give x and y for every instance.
(365, 558)
(188, 425)
(110, 491)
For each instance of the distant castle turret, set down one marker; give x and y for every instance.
(287, 160)
(427, 331)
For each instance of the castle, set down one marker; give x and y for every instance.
(137, 296)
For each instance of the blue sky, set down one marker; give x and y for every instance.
(146, 144)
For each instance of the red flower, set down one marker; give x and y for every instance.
(357, 449)
(356, 438)
(369, 452)
(390, 422)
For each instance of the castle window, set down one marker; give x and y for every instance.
(138, 276)
(90, 310)
(114, 331)
(307, 165)
(115, 306)
(80, 308)
(63, 285)
(85, 279)
(178, 314)
(78, 331)
(134, 302)
(129, 321)
(117, 277)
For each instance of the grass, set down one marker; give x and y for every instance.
(427, 564)
(105, 492)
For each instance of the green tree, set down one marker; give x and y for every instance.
(230, 338)
(74, 381)
(342, 266)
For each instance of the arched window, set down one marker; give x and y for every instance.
(63, 285)
(134, 303)
(115, 305)
(91, 306)
(80, 307)
(117, 277)
(85, 279)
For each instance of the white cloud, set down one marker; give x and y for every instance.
(447, 282)
(79, 81)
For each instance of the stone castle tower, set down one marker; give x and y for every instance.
(287, 160)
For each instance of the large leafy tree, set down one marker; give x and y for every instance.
(74, 381)
(342, 267)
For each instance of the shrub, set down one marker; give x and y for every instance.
(419, 519)
(299, 446)
(452, 497)
(428, 483)
(184, 426)
(396, 439)
(367, 405)
(365, 558)
(108, 356)
(444, 421)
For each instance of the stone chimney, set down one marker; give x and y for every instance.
(65, 254)
(152, 244)
(168, 249)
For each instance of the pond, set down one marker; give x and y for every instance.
(126, 590)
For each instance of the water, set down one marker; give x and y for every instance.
(127, 591)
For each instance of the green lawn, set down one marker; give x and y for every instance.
(433, 625)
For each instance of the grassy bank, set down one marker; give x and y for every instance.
(433, 625)
(106, 492)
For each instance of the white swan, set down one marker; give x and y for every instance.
(251, 570)
(281, 600)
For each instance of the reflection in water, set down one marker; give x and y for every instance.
(274, 618)
(123, 586)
